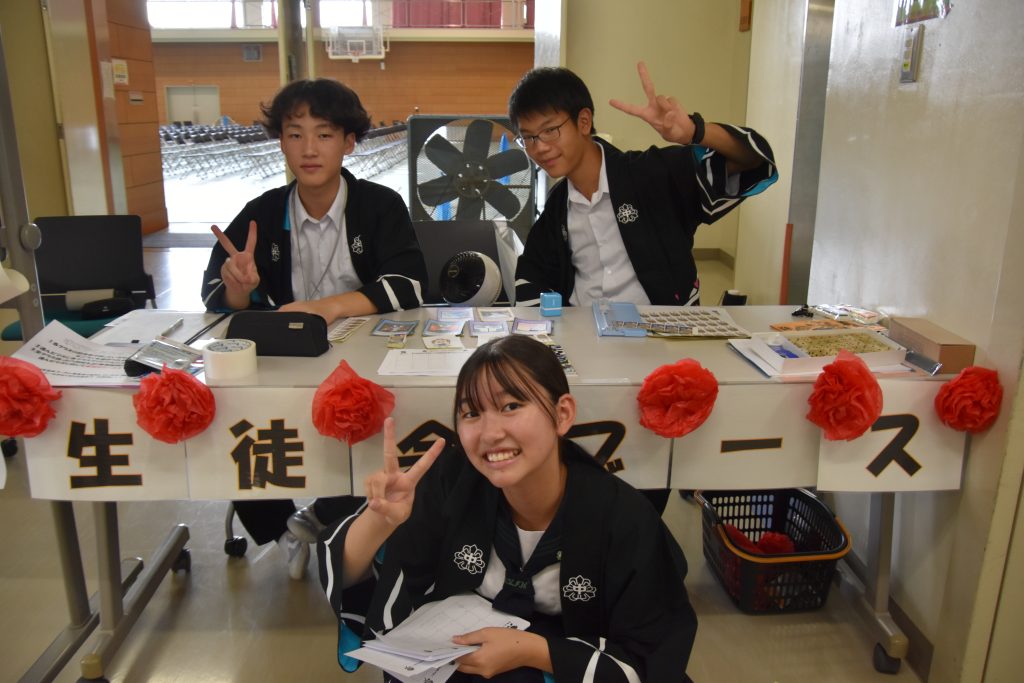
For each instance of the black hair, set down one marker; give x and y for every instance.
(550, 89)
(526, 369)
(326, 98)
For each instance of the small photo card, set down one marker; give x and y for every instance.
(495, 314)
(531, 327)
(494, 328)
(433, 328)
(386, 328)
(443, 342)
(344, 329)
(457, 313)
(396, 341)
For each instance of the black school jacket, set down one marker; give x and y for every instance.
(625, 611)
(385, 253)
(660, 196)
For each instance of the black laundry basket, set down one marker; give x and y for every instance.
(768, 584)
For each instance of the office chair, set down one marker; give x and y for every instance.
(81, 253)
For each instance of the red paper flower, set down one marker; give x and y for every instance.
(740, 539)
(774, 543)
(25, 397)
(970, 401)
(348, 407)
(676, 399)
(173, 405)
(846, 399)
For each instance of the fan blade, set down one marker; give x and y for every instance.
(502, 199)
(506, 163)
(444, 155)
(478, 141)
(470, 209)
(437, 191)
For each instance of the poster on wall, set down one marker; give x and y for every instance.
(913, 11)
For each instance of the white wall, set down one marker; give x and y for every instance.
(776, 53)
(695, 52)
(920, 213)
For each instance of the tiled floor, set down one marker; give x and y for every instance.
(244, 620)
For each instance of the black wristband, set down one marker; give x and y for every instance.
(698, 128)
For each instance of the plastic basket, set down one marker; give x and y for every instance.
(768, 584)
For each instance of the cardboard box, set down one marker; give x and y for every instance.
(933, 342)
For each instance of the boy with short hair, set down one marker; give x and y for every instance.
(621, 226)
(326, 243)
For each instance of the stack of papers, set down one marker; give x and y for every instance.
(420, 649)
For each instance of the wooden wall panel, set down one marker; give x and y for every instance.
(138, 122)
(439, 78)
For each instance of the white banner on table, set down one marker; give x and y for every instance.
(94, 450)
(907, 449)
(422, 414)
(755, 438)
(262, 444)
(608, 427)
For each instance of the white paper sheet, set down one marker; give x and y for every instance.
(70, 360)
(424, 362)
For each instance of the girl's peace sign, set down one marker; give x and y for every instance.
(390, 492)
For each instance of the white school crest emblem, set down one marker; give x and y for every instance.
(357, 245)
(275, 252)
(627, 214)
(470, 559)
(579, 589)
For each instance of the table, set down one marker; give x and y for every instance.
(756, 438)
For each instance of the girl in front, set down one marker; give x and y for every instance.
(526, 518)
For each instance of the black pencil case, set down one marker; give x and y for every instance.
(279, 333)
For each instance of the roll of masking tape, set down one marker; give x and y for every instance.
(229, 359)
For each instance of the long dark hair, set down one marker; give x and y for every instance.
(523, 367)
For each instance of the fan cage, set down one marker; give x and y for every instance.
(502, 138)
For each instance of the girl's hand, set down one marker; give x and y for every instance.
(390, 492)
(501, 650)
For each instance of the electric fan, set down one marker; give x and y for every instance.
(468, 168)
(470, 279)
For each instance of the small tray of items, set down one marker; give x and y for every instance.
(805, 352)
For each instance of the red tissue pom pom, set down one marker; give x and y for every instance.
(347, 406)
(676, 399)
(970, 401)
(740, 539)
(173, 405)
(25, 397)
(846, 399)
(774, 543)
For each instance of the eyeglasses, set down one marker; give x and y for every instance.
(547, 135)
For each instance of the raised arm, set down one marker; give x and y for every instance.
(665, 115)
(390, 494)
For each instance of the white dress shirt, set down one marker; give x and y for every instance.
(603, 268)
(321, 260)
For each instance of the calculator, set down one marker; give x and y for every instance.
(159, 353)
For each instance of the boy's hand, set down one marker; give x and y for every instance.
(239, 270)
(662, 113)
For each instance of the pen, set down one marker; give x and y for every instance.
(175, 325)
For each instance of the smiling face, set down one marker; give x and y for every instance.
(512, 437)
(314, 149)
(562, 155)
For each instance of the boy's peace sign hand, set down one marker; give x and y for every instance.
(663, 113)
(239, 270)
(390, 492)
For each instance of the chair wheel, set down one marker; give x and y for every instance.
(236, 546)
(9, 447)
(884, 664)
(183, 562)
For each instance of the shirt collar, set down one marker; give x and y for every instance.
(602, 185)
(335, 213)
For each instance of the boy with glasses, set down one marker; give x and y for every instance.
(621, 227)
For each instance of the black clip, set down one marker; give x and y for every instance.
(802, 312)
